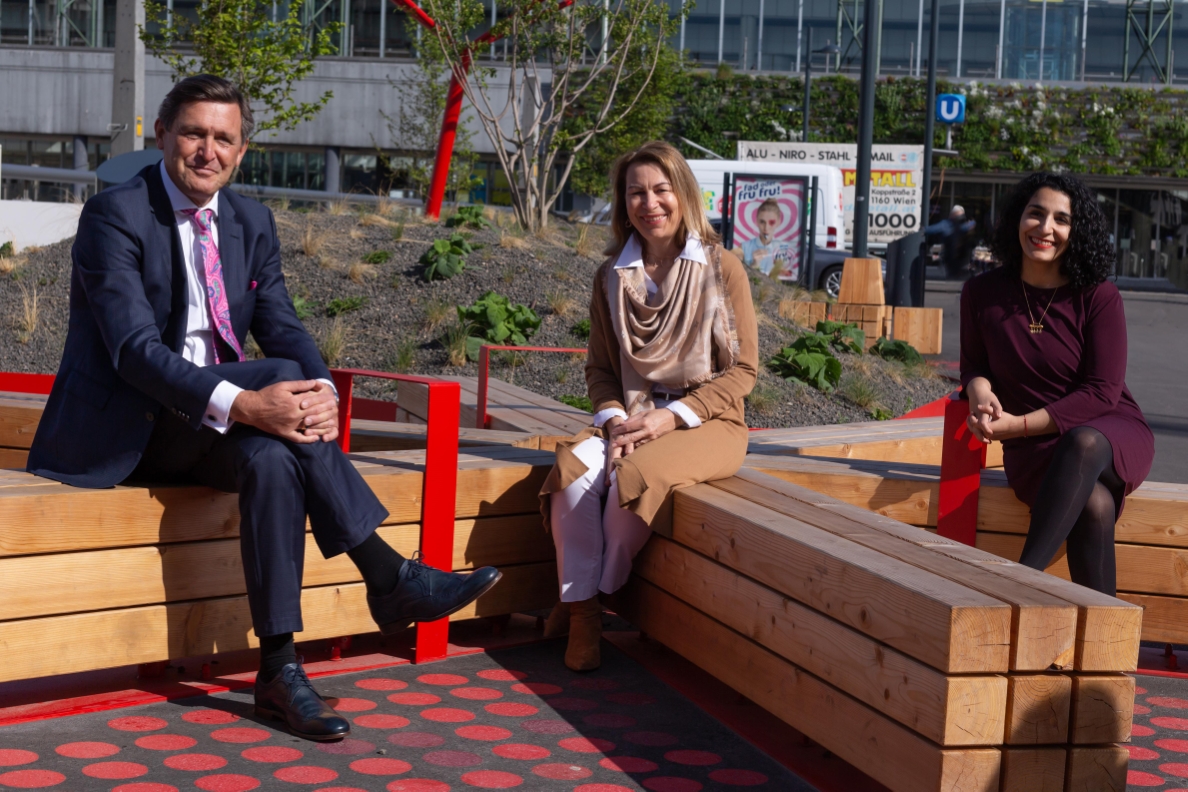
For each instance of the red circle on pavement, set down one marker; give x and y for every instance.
(226, 782)
(571, 704)
(738, 777)
(627, 764)
(271, 753)
(87, 750)
(632, 700)
(609, 720)
(305, 774)
(453, 758)
(416, 699)
(650, 738)
(669, 784)
(352, 705)
(1177, 769)
(31, 779)
(548, 726)
(520, 751)
(476, 693)
(416, 739)
(1139, 778)
(348, 747)
(536, 688)
(687, 757)
(1169, 703)
(500, 675)
(594, 683)
(195, 762)
(587, 745)
(491, 779)
(418, 785)
(486, 733)
(1179, 746)
(447, 715)
(380, 766)
(13, 757)
(381, 721)
(601, 788)
(239, 734)
(511, 710)
(137, 723)
(1141, 731)
(144, 786)
(209, 717)
(442, 679)
(1140, 691)
(380, 683)
(113, 770)
(1138, 753)
(166, 742)
(562, 772)
(1139, 709)
(1178, 724)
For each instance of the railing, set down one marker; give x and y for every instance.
(482, 420)
(39, 384)
(962, 458)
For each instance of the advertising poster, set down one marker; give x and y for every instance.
(896, 178)
(768, 224)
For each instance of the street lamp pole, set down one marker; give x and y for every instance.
(866, 108)
(808, 79)
(930, 110)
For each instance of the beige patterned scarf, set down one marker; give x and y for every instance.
(681, 337)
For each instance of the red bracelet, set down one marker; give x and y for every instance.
(1025, 426)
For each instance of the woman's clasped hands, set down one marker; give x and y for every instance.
(627, 434)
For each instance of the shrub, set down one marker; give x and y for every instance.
(455, 340)
(809, 361)
(377, 257)
(446, 258)
(404, 357)
(469, 216)
(842, 336)
(493, 319)
(581, 330)
(897, 350)
(344, 305)
(881, 414)
(303, 307)
(579, 402)
(7, 250)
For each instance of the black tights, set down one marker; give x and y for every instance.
(1077, 502)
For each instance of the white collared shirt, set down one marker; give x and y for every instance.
(632, 256)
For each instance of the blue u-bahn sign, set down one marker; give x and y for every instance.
(950, 109)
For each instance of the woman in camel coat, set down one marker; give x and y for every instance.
(673, 352)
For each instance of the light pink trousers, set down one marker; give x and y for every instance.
(595, 545)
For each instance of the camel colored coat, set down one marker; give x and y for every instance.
(683, 457)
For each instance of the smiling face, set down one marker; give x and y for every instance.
(1045, 227)
(203, 148)
(653, 208)
(767, 220)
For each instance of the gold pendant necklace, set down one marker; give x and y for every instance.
(1036, 327)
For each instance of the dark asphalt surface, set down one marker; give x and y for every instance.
(1157, 366)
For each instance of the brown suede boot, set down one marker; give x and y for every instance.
(558, 622)
(585, 632)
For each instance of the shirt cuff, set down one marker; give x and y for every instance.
(218, 411)
(331, 384)
(687, 415)
(602, 416)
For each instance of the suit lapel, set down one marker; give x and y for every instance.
(174, 332)
(231, 255)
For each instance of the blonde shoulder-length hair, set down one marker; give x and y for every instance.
(684, 185)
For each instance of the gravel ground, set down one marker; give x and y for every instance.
(402, 321)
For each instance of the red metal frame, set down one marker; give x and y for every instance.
(40, 384)
(482, 420)
(962, 458)
(440, 482)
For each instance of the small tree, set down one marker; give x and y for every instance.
(239, 41)
(555, 57)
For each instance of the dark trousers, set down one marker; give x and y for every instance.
(279, 483)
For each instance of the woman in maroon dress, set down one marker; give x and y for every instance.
(1043, 362)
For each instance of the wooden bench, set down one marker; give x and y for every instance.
(144, 575)
(1151, 537)
(927, 664)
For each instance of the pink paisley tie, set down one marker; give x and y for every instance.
(212, 278)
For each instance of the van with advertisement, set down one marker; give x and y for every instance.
(710, 175)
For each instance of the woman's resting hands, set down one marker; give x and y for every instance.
(644, 427)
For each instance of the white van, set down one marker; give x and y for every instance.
(830, 212)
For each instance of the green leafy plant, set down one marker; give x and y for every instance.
(446, 257)
(493, 319)
(303, 307)
(398, 231)
(881, 414)
(404, 357)
(377, 257)
(896, 350)
(344, 305)
(579, 402)
(809, 361)
(581, 329)
(471, 216)
(842, 336)
(7, 250)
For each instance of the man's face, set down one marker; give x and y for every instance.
(203, 148)
(767, 220)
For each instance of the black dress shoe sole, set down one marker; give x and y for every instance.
(265, 712)
(391, 628)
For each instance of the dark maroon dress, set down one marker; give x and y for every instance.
(1075, 369)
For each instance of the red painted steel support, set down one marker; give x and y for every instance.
(39, 384)
(962, 458)
(482, 420)
(440, 482)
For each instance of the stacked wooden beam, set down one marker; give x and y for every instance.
(920, 327)
(916, 440)
(861, 300)
(19, 415)
(926, 664)
(100, 578)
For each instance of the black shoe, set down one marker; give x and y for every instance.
(291, 698)
(426, 594)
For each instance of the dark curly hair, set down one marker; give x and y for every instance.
(1090, 256)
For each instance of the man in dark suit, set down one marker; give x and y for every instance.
(171, 271)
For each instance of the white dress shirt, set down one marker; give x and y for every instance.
(632, 256)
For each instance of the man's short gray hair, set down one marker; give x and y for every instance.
(206, 88)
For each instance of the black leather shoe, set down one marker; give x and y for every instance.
(424, 593)
(291, 698)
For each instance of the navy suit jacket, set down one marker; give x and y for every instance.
(122, 363)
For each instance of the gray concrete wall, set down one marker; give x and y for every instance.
(68, 92)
